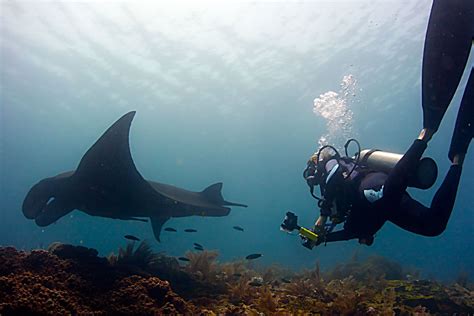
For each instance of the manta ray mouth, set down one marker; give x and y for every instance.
(32, 208)
(37, 200)
(39, 209)
(44, 206)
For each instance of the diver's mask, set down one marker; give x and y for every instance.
(317, 173)
(311, 175)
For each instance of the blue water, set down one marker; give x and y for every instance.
(223, 92)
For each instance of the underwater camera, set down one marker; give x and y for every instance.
(290, 223)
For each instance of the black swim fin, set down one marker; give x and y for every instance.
(464, 129)
(447, 45)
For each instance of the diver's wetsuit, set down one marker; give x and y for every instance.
(369, 212)
(378, 197)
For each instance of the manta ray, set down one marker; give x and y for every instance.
(107, 183)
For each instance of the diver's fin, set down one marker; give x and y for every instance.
(157, 223)
(447, 45)
(134, 219)
(464, 129)
(213, 194)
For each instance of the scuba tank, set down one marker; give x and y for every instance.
(371, 159)
(423, 178)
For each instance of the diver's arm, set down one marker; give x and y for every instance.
(338, 236)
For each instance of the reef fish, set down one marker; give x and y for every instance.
(198, 245)
(238, 228)
(131, 237)
(107, 183)
(253, 256)
(170, 229)
(190, 230)
(184, 259)
(199, 248)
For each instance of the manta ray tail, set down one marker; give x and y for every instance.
(213, 193)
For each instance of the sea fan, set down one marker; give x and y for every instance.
(202, 263)
(266, 302)
(142, 257)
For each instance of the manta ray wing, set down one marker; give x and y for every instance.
(109, 160)
(108, 169)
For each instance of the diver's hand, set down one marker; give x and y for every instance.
(319, 230)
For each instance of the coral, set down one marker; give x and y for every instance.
(266, 302)
(10, 260)
(373, 267)
(75, 280)
(274, 273)
(150, 293)
(463, 278)
(41, 282)
(79, 253)
(141, 257)
(202, 263)
(239, 292)
(233, 269)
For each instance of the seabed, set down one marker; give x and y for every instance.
(67, 279)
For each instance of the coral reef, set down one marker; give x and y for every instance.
(70, 279)
(43, 282)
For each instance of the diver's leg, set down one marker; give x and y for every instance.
(464, 129)
(419, 219)
(397, 181)
(447, 44)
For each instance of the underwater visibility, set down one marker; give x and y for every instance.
(237, 157)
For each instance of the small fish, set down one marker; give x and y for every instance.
(255, 283)
(200, 249)
(190, 230)
(198, 245)
(285, 280)
(170, 229)
(131, 237)
(238, 228)
(184, 259)
(237, 275)
(253, 256)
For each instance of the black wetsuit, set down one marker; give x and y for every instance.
(448, 43)
(391, 201)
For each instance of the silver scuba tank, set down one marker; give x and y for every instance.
(425, 174)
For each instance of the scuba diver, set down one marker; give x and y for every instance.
(366, 190)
